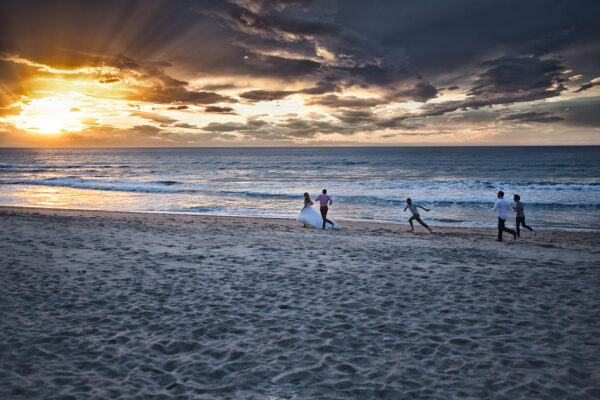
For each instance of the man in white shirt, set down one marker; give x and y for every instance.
(502, 206)
(414, 209)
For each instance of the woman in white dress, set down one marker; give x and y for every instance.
(310, 216)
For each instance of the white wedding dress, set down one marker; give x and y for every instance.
(312, 217)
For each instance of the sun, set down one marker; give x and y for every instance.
(58, 113)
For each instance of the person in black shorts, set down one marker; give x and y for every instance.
(414, 209)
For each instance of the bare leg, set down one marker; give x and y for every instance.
(410, 220)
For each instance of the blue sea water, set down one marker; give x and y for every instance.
(560, 186)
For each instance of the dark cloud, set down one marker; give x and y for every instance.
(508, 80)
(296, 29)
(178, 108)
(439, 37)
(220, 86)
(288, 129)
(316, 44)
(270, 95)
(478, 118)
(334, 101)
(322, 88)
(185, 125)
(153, 117)
(219, 110)
(251, 124)
(355, 116)
(518, 74)
(532, 116)
(271, 66)
(170, 95)
(585, 86)
(266, 95)
(261, 18)
(410, 133)
(391, 123)
(421, 92)
(366, 75)
(296, 128)
(589, 85)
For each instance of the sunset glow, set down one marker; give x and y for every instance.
(269, 74)
(54, 114)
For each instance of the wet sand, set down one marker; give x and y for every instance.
(105, 305)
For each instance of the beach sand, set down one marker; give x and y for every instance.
(105, 305)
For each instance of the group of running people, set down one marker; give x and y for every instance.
(502, 207)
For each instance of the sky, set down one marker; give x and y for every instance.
(299, 73)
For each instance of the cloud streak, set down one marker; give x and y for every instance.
(532, 116)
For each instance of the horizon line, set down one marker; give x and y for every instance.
(296, 147)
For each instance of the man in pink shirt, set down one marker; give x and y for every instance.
(325, 201)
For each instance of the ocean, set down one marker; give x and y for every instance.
(560, 186)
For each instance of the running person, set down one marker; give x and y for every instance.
(502, 207)
(520, 209)
(414, 209)
(325, 201)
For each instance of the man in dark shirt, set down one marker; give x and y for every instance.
(520, 209)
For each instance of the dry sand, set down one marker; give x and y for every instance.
(106, 305)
